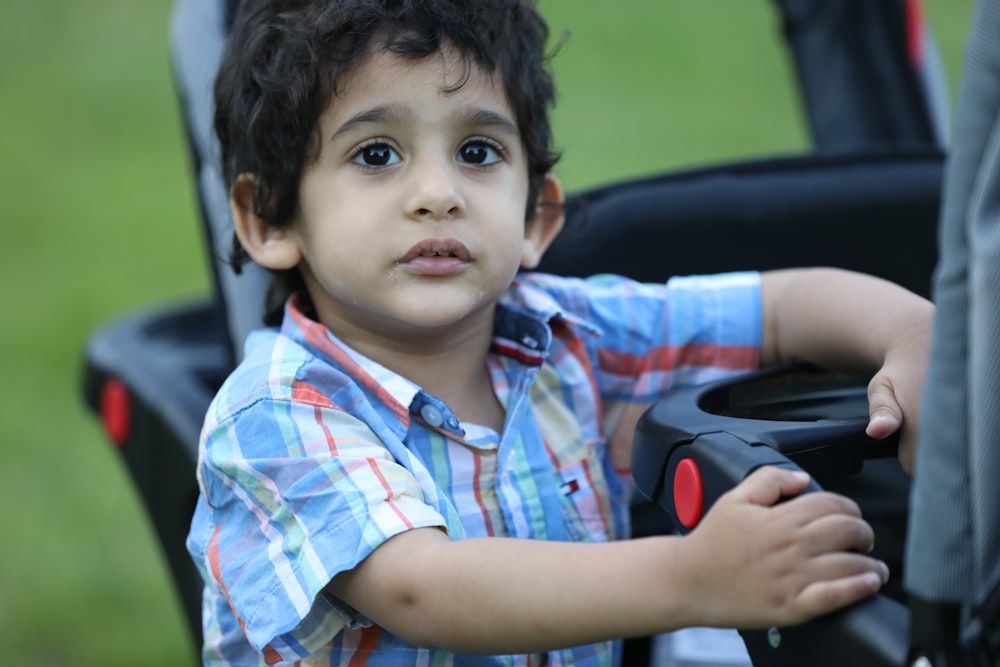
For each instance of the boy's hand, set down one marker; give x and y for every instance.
(754, 563)
(846, 321)
(894, 395)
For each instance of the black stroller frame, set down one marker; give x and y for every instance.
(878, 120)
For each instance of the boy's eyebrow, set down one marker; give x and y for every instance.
(488, 118)
(380, 114)
(475, 116)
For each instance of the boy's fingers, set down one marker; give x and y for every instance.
(839, 531)
(769, 484)
(825, 596)
(844, 578)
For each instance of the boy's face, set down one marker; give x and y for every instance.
(412, 217)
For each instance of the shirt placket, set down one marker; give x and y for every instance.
(526, 483)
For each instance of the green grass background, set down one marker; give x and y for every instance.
(99, 218)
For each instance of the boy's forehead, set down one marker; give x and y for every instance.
(383, 73)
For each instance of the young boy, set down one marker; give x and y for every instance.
(425, 460)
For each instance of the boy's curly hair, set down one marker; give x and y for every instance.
(285, 60)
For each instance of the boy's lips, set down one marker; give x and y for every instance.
(437, 257)
(437, 248)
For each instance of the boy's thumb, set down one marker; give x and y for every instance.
(884, 414)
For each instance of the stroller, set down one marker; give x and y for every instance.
(875, 101)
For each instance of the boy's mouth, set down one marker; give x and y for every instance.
(449, 247)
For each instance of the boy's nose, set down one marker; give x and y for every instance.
(435, 193)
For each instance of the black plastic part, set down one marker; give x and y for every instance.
(765, 214)
(988, 614)
(811, 420)
(231, 6)
(936, 627)
(857, 88)
(946, 635)
(172, 360)
(870, 634)
(723, 460)
(814, 420)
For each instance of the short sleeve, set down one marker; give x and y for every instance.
(297, 494)
(715, 325)
(658, 337)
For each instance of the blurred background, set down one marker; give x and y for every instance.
(100, 218)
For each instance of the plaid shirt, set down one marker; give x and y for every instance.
(312, 455)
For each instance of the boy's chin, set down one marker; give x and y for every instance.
(424, 322)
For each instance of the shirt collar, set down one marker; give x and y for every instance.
(521, 331)
(540, 305)
(392, 389)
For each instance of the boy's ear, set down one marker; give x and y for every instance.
(542, 229)
(271, 247)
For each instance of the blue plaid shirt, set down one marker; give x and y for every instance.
(313, 455)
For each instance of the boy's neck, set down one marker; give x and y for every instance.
(452, 368)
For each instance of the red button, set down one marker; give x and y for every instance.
(688, 493)
(116, 410)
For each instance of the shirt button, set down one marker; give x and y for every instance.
(432, 415)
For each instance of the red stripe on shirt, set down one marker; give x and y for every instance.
(318, 336)
(216, 567)
(670, 357)
(271, 656)
(331, 442)
(526, 357)
(310, 395)
(602, 506)
(388, 493)
(477, 490)
(369, 640)
(574, 346)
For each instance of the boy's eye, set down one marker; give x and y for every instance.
(377, 154)
(479, 152)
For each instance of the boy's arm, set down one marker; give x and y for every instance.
(853, 322)
(747, 565)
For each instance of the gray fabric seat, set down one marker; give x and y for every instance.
(953, 552)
